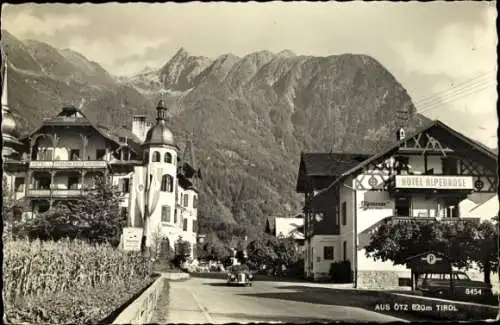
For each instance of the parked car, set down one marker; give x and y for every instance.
(239, 275)
(460, 287)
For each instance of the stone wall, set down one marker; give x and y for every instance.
(176, 276)
(141, 310)
(379, 279)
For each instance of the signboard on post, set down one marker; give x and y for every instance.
(131, 239)
(429, 262)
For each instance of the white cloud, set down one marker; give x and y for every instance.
(107, 52)
(464, 61)
(460, 50)
(26, 24)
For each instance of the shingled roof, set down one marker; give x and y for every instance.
(330, 164)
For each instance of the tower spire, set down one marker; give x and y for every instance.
(161, 109)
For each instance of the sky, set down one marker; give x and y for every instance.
(443, 53)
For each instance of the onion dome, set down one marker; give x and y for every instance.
(160, 134)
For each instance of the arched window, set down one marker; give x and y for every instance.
(168, 157)
(156, 156)
(167, 183)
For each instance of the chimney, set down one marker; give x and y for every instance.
(139, 126)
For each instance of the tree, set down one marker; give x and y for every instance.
(463, 242)
(261, 251)
(95, 217)
(287, 251)
(272, 251)
(215, 249)
(484, 250)
(182, 250)
(12, 210)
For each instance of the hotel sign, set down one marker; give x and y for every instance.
(376, 200)
(68, 164)
(435, 182)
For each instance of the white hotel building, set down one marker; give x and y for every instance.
(61, 158)
(427, 175)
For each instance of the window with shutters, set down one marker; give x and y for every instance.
(165, 213)
(175, 216)
(185, 224)
(195, 226)
(125, 185)
(124, 212)
(186, 200)
(195, 202)
(344, 213)
(328, 252)
(19, 184)
(167, 183)
(156, 156)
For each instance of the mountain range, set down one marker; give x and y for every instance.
(249, 117)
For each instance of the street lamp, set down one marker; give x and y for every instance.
(354, 236)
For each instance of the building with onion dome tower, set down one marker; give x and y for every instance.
(164, 194)
(60, 159)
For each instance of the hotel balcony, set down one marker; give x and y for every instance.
(68, 164)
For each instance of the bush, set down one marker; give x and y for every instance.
(340, 272)
(296, 270)
(68, 281)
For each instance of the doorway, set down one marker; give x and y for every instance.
(403, 206)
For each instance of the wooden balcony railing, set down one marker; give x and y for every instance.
(67, 164)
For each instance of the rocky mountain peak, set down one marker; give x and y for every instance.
(286, 54)
(180, 71)
(250, 117)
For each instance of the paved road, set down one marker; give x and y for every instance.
(201, 300)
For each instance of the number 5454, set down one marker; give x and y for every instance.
(472, 291)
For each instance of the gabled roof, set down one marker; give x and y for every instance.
(289, 227)
(326, 164)
(330, 164)
(123, 136)
(434, 124)
(79, 118)
(411, 258)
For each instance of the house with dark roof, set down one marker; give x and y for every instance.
(424, 176)
(62, 157)
(316, 172)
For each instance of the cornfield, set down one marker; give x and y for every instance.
(36, 270)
